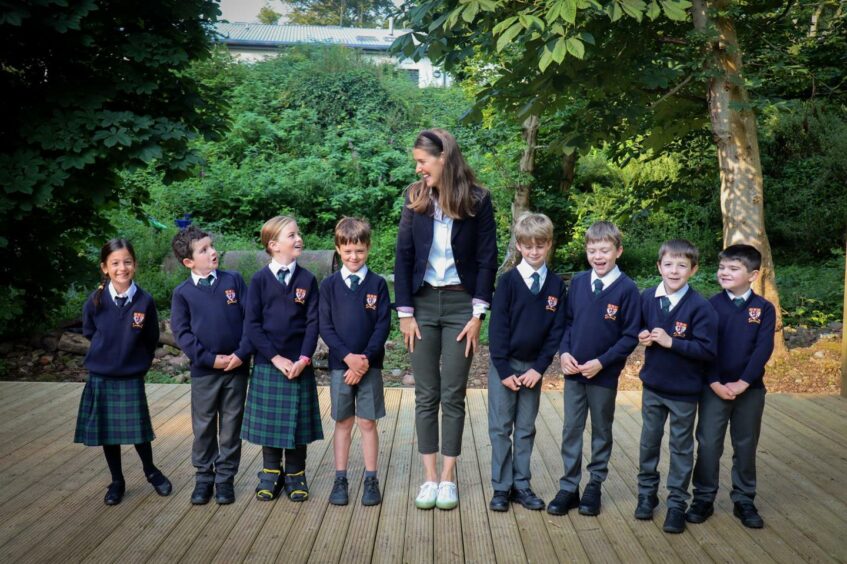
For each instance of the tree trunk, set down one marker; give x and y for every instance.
(844, 336)
(568, 171)
(735, 134)
(520, 203)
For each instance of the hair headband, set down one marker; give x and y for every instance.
(434, 139)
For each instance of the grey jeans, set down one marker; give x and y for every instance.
(440, 368)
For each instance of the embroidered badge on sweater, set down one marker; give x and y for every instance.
(679, 329)
(755, 315)
(300, 295)
(370, 301)
(552, 303)
(231, 297)
(612, 312)
(138, 320)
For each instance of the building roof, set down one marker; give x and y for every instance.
(270, 36)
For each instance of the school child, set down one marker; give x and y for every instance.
(207, 318)
(681, 334)
(282, 412)
(736, 392)
(602, 321)
(120, 320)
(355, 317)
(526, 327)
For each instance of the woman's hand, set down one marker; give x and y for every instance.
(410, 330)
(471, 331)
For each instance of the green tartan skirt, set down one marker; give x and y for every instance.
(281, 413)
(113, 411)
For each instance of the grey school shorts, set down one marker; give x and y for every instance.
(365, 400)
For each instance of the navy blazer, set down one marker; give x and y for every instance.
(474, 243)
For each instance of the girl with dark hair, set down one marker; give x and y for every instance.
(444, 279)
(120, 320)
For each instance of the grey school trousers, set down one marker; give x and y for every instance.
(510, 411)
(440, 368)
(580, 400)
(217, 409)
(654, 412)
(744, 417)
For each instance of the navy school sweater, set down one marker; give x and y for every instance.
(679, 373)
(604, 327)
(524, 326)
(355, 322)
(123, 339)
(745, 339)
(209, 320)
(282, 320)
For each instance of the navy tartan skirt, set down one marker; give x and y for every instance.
(282, 413)
(113, 411)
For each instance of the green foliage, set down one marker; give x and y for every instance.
(92, 88)
(268, 15)
(355, 13)
(812, 295)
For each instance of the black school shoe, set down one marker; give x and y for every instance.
(528, 499)
(590, 502)
(296, 486)
(699, 511)
(202, 493)
(115, 493)
(160, 483)
(499, 501)
(563, 502)
(748, 514)
(338, 495)
(675, 521)
(645, 507)
(224, 493)
(370, 492)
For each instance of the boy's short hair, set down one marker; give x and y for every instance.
(272, 228)
(352, 230)
(183, 242)
(747, 255)
(533, 227)
(604, 231)
(680, 248)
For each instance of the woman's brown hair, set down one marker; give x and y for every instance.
(457, 193)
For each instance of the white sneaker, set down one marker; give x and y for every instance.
(426, 497)
(448, 496)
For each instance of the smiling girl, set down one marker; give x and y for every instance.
(120, 320)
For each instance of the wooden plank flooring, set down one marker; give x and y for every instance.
(51, 494)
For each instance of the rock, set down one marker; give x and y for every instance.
(322, 350)
(409, 379)
(50, 343)
(173, 351)
(178, 362)
(320, 363)
(73, 343)
(819, 354)
(46, 359)
(6, 347)
(182, 378)
(166, 336)
(390, 345)
(161, 352)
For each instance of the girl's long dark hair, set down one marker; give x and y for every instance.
(106, 250)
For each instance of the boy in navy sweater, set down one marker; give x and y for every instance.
(736, 392)
(681, 334)
(355, 316)
(526, 327)
(602, 320)
(207, 317)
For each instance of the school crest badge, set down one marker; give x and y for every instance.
(754, 315)
(231, 297)
(612, 312)
(679, 329)
(300, 295)
(370, 301)
(552, 303)
(137, 319)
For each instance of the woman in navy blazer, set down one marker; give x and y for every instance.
(443, 281)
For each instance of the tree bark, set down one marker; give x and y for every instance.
(736, 138)
(844, 336)
(521, 201)
(568, 172)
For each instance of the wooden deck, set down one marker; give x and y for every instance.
(51, 494)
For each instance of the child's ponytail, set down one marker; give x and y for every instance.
(99, 293)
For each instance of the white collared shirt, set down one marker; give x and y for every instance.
(346, 273)
(275, 266)
(129, 294)
(196, 277)
(745, 296)
(441, 266)
(675, 297)
(607, 280)
(526, 272)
